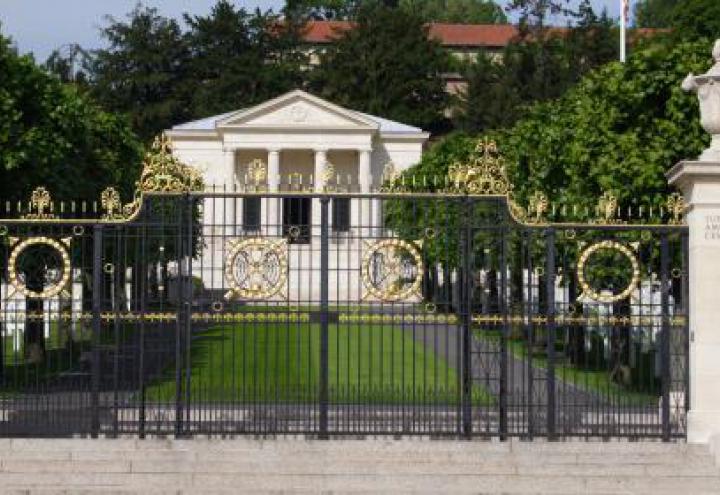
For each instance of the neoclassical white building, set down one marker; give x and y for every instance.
(298, 142)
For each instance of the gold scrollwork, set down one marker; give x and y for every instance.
(57, 284)
(392, 270)
(256, 268)
(589, 292)
(163, 172)
(484, 174)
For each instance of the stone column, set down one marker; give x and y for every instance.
(318, 184)
(363, 206)
(272, 205)
(320, 162)
(699, 182)
(228, 215)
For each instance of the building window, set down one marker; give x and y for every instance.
(296, 220)
(341, 214)
(251, 213)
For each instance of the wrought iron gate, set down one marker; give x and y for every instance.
(451, 313)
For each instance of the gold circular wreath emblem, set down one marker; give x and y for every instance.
(60, 282)
(256, 268)
(588, 291)
(387, 267)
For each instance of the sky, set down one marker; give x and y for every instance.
(40, 26)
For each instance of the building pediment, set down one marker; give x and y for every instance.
(297, 109)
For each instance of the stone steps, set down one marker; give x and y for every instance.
(287, 465)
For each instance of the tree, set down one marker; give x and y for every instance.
(239, 59)
(695, 19)
(533, 13)
(320, 10)
(457, 11)
(142, 71)
(654, 13)
(387, 66)
(69, 63)
(535, 67)
(53, 135)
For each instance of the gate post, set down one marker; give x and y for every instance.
(96, 327)
(699, 182)
(466, 313)
(551, 337)
(324, 282)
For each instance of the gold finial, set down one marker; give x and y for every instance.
(111, 204)
(328, 175)
(162, 144)
(538, 206)
(607, 209)
(258, 171)
(676, 207)
(40, 201)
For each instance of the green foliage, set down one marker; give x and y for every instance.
(457, 11)
(386, 66)
(654, 13)
(695, 19)
(239, 59)
(619, 130)
(52, 135)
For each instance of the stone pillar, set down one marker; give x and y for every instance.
(272, 205)
(699, 182)
(700, 185)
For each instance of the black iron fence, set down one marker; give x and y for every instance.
(340, 314)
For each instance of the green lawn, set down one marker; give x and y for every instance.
(280, 362)
(590, 380)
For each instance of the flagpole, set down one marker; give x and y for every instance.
(623, 25)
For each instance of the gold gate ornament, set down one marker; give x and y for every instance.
(391, 287)
(588, 291)
(59, 287)
(256, 268)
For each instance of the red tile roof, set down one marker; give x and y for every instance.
(497, 35)
(471, 35)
